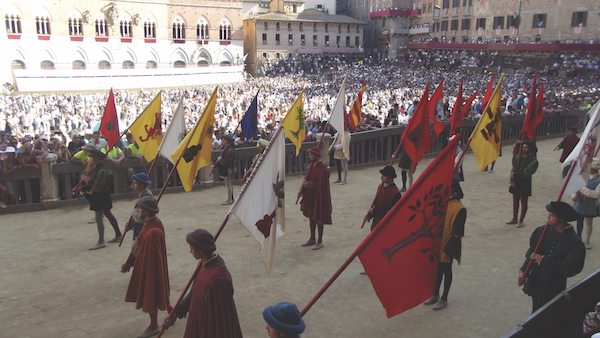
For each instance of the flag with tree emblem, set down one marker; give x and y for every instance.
(401, 254)
(147, 129)
(196, 147)
(261, 205)
(293, 123)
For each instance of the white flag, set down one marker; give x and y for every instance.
(175, 133)
(336, 120)
(261, 205)
(581, 157)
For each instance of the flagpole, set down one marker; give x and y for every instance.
(310, 166)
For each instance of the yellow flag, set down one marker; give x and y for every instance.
(293, 123)
(147, 129)
(196, 147)
(487, 135)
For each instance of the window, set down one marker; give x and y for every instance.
(480, 23)
(266, 26)
(347, 41)
(265, 56)
(294, 8)
(225, 30)
(290, 38)
(539, 21)
(446, 4)
(579, 19)
(202, 29)
(78, 64)
(429, 7)
(357, 31)
(178, 29)
(302, 39)
(436, 26)
(455, 3)
(512, 21)
(454, 25)
(47, 64)
(75, 26)
(314, 27)
(277, 26)
(444, 26)
(17, 64)
(289, 26)
(103, 65)
(315, 40)
(498, 22)
(277, 39)
(326, 40)
(326, 27)
(468, 3)
(42, 25)
(179, 64)
(301, 27)
(13, 24)
(149, 29)
(339, 29)
(466, 24)
(128, 65)
(348, 29)
(126, 30)
(101, 26)
(150, 64)
(357, 42)
(264, 38)
(338, 40)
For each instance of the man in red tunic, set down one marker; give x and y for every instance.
(316, 200)
(149, 284)
(568, 144)
(212, 312)
(387, 196)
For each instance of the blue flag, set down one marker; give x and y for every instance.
(249, 122)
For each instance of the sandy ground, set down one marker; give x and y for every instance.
(53, 286)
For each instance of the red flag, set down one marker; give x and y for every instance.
(436, 108)
(456, 110)
(539, 101)
(109, 126)
(463, 112)
(416, 138)
(529, 123)
(355, 112)
(401, 254)
(488, 94)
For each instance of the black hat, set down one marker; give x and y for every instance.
(228, 138)
(388, 171)
(562, 210)
(96, 153)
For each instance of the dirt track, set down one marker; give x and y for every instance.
(52, 286)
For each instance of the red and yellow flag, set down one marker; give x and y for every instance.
(356, 110)
(147, 129)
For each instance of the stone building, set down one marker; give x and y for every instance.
(291, 30)
(76, 44)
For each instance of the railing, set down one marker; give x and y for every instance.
(51, 186)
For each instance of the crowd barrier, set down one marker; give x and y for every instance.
(562, 316)
(50, 187)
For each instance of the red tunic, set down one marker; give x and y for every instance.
(316, 200)
(568, 144)
(212, 312)
(386, 198)
(149, 284)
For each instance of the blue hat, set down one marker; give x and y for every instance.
(142, 178)
(284, 318)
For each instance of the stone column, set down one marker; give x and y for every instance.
(49, 182)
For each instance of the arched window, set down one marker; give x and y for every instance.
(101, 27)
(178, 29)
(203, 63)
(128, 65)
(225, 30)
(277, 56)
(225, 63)
(149, 28)
(17, 64)
(42, 25)
(126, 27)
(179, 64)
(103, 65)
(75, 24)
(47, 64)
(78, 64)
(265, 56)
(150, 64)
(13, 24)
(202, 29)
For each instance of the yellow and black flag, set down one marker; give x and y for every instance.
(196, 147)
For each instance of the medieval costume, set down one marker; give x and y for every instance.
(225, 163)
(563, 256)
(387, 196)
(523, 167)
(316, 200)
(567, 145)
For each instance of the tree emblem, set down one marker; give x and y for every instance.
(191, 152)
(110, 125)
(279, 192)
(433, 211)
(300, 118)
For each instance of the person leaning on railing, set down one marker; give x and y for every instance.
(9, 165)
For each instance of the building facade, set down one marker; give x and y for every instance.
(290, 30)
(133, 44)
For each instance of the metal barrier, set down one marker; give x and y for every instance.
(369, 147)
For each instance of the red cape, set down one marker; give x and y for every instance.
(316, 203)
(149, 284)
(212, 312)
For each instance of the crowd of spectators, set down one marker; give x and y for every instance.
(36, 124)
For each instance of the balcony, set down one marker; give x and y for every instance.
(395, 12)
(420, 30)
